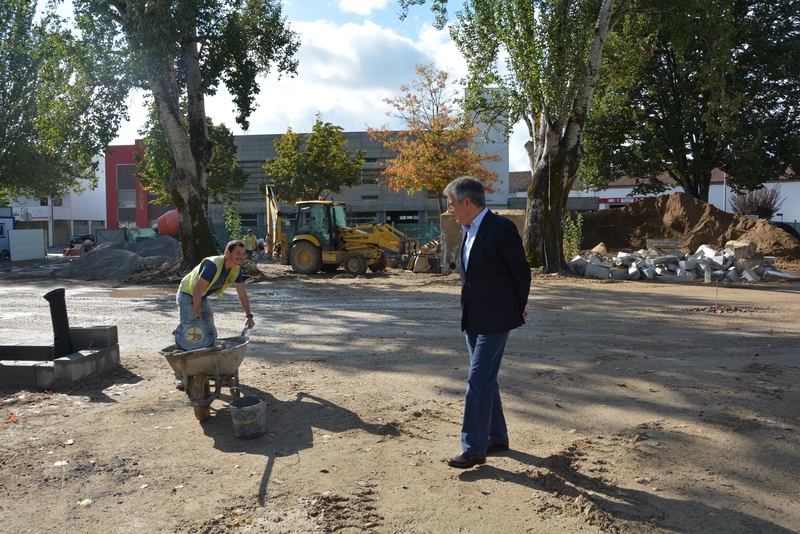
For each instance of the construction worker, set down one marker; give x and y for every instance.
(250, 244)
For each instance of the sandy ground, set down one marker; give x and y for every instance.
(632, 407)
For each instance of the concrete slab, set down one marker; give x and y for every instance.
(778, 275)
(597, 271)
(619, 274)
(750, 275)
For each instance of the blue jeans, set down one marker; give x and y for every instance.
(186, 307)
(483, 411)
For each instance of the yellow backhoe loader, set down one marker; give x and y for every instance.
(322, 240)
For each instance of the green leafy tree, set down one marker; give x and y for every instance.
(308, 165)
(698, 85)
(40, 157)
(178, 50)
(439, 144)
(536, 61)
(233, 222)
(226, 178)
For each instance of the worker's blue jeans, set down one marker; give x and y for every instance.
(186, 307)
(483, 411)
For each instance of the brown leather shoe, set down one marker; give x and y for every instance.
(496, 446)
(466, 460)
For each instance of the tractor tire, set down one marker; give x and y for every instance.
(305, 258)
(380, 264)
(355, 264)
(199, 388)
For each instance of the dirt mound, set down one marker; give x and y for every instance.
(115, 261)
(680, 216)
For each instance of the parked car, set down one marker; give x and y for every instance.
(78, 239)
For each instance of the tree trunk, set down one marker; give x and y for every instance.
(193, 153)
(555, 151)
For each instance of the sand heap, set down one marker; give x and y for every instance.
(681, 216)
(119, 261)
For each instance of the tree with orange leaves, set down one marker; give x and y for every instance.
(439, 144)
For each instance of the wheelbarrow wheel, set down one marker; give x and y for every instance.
(199, 389)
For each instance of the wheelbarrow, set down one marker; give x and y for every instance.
(217, 365)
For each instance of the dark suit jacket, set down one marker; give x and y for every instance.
(495, 287)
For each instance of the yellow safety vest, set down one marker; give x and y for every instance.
(190, 280)
(250, 242)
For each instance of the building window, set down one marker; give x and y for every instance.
(402, 217)
(370, 175)
(126, 198)
(248, 220)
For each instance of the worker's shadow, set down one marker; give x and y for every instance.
(290, 427)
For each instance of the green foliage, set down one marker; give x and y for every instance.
(692, 86)
(309, 165)
(233, 223)
(573, 234)
(42, 155)
(763, 202)
(226, 178)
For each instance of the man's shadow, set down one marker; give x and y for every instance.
(290, 427)
(556, 475)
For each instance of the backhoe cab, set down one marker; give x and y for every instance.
(322, 241)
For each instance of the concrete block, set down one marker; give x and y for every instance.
(673, 266)
(707, 274)
(778, 275)
(107, 357)
(578, 265)
(75, 366)
(17, 374)
(45, 374)
(663, 260)
(742, 249)
(626, 259)
(648, 273)
(93, 336)
(683, 272)
(688, 264)
(718, 274)
(600, 262)
(619, 274)
(704, 252)
(662, 271)
(750, 275)
(732, 277)
(769, 260)
(597, 271)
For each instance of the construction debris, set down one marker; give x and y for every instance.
(426, 259)
(664, 261)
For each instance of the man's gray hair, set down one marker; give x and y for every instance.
(467, 187)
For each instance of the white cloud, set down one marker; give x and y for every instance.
(345, 71)
(362, 7)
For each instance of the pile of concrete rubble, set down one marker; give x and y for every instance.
(664, 261)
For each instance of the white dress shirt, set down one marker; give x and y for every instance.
(471, 231)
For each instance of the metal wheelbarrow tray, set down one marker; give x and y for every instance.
(218, 363)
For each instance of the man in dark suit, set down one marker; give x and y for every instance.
(495, 282)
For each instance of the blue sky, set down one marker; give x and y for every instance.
(353, 54)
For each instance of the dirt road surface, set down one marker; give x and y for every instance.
(632, 407)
